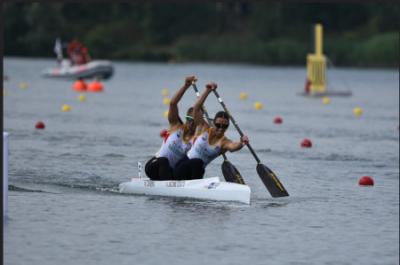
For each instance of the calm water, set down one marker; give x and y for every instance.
(63, 204)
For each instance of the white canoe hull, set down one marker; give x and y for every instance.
(205, 189)
(99, 68)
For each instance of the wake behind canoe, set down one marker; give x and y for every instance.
(204, 189)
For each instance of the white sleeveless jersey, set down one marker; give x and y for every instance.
(174, 148)
(203, 150)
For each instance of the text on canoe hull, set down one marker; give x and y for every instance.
(178, 184)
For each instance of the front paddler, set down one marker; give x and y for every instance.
(209, 142)
(176, 142)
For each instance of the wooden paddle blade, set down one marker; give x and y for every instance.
(271, 181)
(231, 174)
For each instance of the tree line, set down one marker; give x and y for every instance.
(275, 33)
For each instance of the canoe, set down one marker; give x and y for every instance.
(94, 69)
(203, 189)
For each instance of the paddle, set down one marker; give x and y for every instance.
(268, 177)
(230, 172)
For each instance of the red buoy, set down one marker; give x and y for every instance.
(80, 86)
(95, 86)
(366, 181)
(278, 120)
(40, 125)
(164, 134)
(306, 143)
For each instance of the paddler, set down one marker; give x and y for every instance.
(177, 141)
(209, 142)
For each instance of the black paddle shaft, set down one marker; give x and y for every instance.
(236, 126)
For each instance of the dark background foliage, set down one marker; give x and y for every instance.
(275, 33)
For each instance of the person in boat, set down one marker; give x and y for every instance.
(209, 142)
(177, 140)
(78, 53)
(307, 87)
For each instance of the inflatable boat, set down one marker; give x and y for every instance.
(95, 69)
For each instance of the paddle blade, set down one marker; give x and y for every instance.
(231, 174)
(271, 181)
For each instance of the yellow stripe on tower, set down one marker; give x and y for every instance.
(318, 39)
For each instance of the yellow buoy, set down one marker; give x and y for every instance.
(81, 98)
(357, 111)
(243, 96)
(166, 113)
(166, 101)
(23, 85)
(66, 108)
(164, 92)
(326, 100)
(258, 105)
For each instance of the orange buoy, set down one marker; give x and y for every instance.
(80, 86)
(40, 125)
(366, 181)
(306, 143)
(95, 86)
(278, 120)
